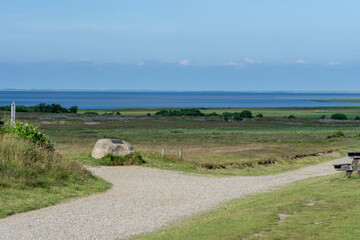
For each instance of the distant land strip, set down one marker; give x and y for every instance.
(343, 100)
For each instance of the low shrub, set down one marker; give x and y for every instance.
(213, 114)
(129, 159)
(259, 115)
(339, 116)
(357, 118)
(246, 114)
(91, 113)
(336, 135)
(322, 116)
(192, 112)
(238, 118)
(291, 117)
(28, 132)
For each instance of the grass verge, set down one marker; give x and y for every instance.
(32, 177)
(318, 208)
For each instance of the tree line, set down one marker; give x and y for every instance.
(42, 108)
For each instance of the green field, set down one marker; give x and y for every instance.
(299, 112)
(317, 208)
(211, 145)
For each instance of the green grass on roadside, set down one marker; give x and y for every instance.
(318, 208)
(16, 200)
(32, 177)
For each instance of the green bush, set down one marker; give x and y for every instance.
(336, 135)
(246, 114)
(28, 132)
(357, 118)
(339, 116)
(291, 117)
(192, 112)
(91, 113)
(322, 116)
(73, 109)
(260, 115)
(213, 114)
(129, 159)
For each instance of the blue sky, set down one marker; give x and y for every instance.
(180, 45)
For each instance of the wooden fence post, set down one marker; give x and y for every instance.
(180, 154)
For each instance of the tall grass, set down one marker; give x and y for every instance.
(25, 164)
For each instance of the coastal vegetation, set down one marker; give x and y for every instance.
(33, 175)
(299, 112)
(210, 145)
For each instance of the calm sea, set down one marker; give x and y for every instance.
(110, 100)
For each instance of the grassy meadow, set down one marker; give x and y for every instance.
(299, 112)
(211, 145)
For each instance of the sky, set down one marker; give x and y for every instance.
(231, 45)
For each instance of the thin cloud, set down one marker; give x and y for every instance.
(85, 60)
(141, 64)
(235, 64)
(184, 62)
(301, 61)
(252, 61)
(334, 63)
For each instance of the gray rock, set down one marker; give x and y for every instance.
(113, 147)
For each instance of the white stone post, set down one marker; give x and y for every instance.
(13, 111)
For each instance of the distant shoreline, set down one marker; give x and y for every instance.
(174, 91)
(338, 100)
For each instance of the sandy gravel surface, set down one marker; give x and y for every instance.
(142, 200)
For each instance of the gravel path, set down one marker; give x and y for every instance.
(142, 200)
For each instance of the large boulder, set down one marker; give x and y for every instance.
(113, 147)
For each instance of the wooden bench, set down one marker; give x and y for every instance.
(350, 167)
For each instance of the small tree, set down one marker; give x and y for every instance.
(237, 118)
(339, 116)
(73, 109)
(246, 114)
(357, 118)
(260, 115)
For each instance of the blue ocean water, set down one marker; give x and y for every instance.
(111, 100)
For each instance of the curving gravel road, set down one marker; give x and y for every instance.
(142, 200)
